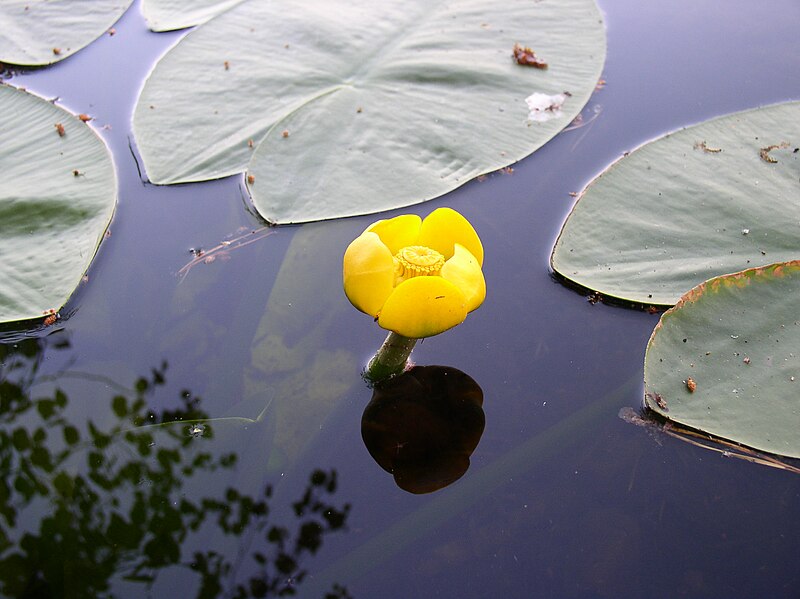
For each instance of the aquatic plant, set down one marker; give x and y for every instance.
(417, 278)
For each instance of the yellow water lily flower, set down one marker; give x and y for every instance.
(416, 277)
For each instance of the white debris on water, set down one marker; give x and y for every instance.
(543, 107)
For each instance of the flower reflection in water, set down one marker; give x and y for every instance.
(423, 425)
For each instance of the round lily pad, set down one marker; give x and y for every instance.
(41, 32)
(57, 197)
(337, 108)
(708, 200)
(726, 359)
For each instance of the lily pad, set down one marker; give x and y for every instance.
(41, 32)
(726, 359)
(708, 200)
(168, 15)
(57, 197)
(338, 108)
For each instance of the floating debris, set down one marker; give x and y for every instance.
(543, 107)
(660, 401)
(691, 385)
(223, 249)
(594, 297)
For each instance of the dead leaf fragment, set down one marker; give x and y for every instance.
(701, 145)
(656, 397)
(527, 57)
(764, 152)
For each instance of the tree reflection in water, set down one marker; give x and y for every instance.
(82, 507)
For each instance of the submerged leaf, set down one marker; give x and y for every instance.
(299, 371)
(57, 196)
(694, 204)
(726, 359)
(339, 108)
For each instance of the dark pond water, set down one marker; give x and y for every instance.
(562, 498)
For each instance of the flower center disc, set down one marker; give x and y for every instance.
(419, 261)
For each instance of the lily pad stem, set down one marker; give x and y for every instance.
(390, 359)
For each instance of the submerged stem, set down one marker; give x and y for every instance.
(391, 358)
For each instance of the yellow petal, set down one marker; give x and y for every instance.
(368, 273)
(398, 232)
(443, 228)
(463, 271)
(423, 307)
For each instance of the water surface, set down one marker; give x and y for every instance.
(562, 497)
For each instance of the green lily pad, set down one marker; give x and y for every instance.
(168, 15)
(735, 340)
(41, 32)
(57, 197)
(708, 200)
(338, 108)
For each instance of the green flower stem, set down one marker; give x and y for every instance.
(390, 359)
